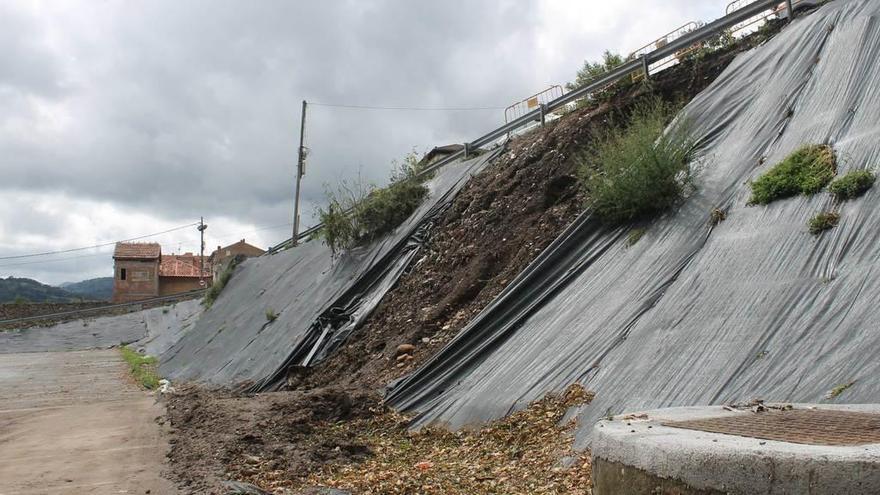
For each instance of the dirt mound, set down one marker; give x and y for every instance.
(218, 436)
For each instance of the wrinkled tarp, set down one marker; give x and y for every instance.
(319, 300)
(694, 314)
(151, 327)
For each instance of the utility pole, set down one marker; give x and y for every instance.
(300, 171)
(202, 227)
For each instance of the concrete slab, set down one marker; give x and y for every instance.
(640, 452)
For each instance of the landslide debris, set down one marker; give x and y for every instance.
(329, 427)
(288, 443)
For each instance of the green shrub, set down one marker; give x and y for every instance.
(357, 213)
(723, 41)
(824, 221)
(217, 287)
(806, 171)
(638, 170)
(591, 71)
(852, 185)
(142, 368)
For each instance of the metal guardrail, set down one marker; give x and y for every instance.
(626, 69)
(662, 41)
(533, 101)
(98, 309)
(771, 11)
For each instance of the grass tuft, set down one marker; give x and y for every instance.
(639, 170)
(634, 236)
(836, 391)
(271, 315)
(805, 171)
(824, 221)
(143, 368)
(217, 287)
(717, 216)
(852, 185)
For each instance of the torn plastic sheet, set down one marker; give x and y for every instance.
(693, 313)
(319, 300)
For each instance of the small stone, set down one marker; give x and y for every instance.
(405, 349)
(402, 357)
(400, 365)
(425, 340)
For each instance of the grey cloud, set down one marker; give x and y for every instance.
(182, 109)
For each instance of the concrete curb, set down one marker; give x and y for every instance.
(733, 464)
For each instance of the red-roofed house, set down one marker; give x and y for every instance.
(136, 271)
(180, 273)
(141, 271)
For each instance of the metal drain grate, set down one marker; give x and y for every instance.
(806, 426)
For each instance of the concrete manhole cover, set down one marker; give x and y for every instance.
(806, 426)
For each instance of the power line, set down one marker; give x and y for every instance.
(62, 251)
(54, 260)
(106, 253)
(227, 235)
(418, 109)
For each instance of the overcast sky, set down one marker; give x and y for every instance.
(123, 118)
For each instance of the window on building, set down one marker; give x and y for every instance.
(122, 274)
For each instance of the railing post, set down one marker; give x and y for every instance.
(790, 9)
(467, 150)
(645, 67)
(543, 108)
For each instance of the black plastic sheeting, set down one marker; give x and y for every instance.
(151, 328)
(319, 300)
(694, 314)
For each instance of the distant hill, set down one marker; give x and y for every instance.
(25, 289)
(98, 289)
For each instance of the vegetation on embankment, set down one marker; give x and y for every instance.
(806, 171)
(217, 287)
(144, 369)
(358, 212)
(852, 185)
(639, 169)
(823, 221)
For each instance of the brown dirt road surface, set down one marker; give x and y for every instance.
(74, 423)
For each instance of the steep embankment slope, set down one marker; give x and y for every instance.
(294, 307)
(695, 314)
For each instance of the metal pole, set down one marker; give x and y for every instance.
(299, 172)
(202, 227)
(790, 10)
(646, 67)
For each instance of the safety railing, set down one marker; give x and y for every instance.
(627, 69)
(773, 11)
(662, 41)
(99, 309)
(526, 105)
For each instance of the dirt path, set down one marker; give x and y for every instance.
(72, 423)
